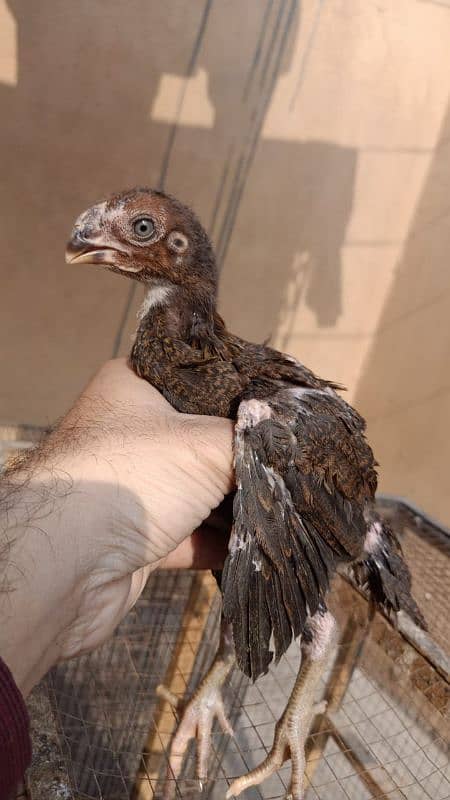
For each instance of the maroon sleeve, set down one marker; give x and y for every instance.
(15, 742)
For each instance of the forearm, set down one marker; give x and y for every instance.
(37, 598)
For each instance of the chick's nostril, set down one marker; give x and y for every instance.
(78, 240)
(81, 237)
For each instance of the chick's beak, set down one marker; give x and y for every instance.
(88, 250)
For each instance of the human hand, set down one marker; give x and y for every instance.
(126, 480)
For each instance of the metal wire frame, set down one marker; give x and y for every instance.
(100, 731)
(384, 725)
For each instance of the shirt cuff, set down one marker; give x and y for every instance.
(15, 741)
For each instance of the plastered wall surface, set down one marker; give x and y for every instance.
(313, 138)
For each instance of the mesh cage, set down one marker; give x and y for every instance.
(384, 732)
(100, 729)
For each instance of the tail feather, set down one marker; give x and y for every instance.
(385, 574)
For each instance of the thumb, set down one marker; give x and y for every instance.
(210, 440)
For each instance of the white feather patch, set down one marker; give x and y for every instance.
(372, 542)
(156, 296)
(322, 627)
(300, 391)
(251, 412)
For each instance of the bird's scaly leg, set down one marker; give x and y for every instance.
(198, 716)
(292, 729)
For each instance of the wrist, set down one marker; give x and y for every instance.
(40, 562)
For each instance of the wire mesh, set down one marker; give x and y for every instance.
(384, 733)
(426, 547)
(101, 731)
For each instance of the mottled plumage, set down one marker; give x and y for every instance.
(305, 475)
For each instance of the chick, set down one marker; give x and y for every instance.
(305, 475)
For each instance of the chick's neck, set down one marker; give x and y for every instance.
(178, 312)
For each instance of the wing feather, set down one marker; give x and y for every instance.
(294, 519)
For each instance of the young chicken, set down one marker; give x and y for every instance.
(305, 475)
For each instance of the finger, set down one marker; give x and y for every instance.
(205, 549)
(137, 585)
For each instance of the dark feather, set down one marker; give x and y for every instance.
(386, 576)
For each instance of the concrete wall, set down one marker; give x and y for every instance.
(312, 137)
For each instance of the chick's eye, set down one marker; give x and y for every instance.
(144, 227)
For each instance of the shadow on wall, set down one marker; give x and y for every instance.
(109, 97)
(290, 231)
(405, 388)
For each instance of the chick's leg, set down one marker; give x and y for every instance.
(203, 708)
(292, 729)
